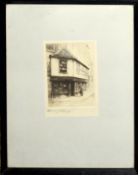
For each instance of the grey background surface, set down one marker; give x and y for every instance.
(37, 141)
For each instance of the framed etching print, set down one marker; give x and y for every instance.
(70, 101)
(71, 78)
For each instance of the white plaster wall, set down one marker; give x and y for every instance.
(71, 69)
(55, 68)
(76, 74)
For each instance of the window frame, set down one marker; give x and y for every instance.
(60, 70)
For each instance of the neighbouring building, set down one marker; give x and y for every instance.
(67, 75)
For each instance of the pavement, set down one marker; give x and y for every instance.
(85, 100)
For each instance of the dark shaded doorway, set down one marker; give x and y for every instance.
(72, 89)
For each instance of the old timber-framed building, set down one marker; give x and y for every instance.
(67, 74)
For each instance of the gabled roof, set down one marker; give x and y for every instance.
(64, 53)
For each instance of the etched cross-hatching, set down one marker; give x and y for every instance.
(71, 74)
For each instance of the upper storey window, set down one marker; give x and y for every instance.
(63, 66)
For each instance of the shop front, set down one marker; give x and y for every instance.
(67, 86)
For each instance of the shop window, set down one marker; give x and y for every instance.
(63, 66)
